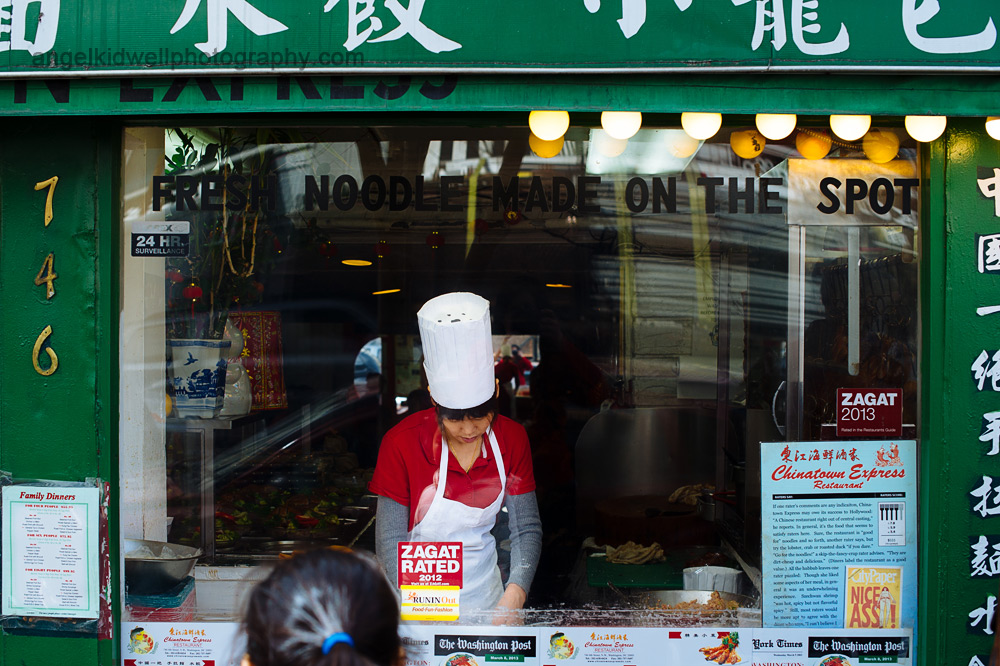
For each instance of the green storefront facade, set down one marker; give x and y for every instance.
(71, 90)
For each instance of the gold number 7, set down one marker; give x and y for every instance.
(51, 184)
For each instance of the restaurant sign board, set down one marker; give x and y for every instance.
(430, 579)
(49, 38)
(839, 525)
(869, 412)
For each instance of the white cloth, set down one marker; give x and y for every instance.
(448, 520)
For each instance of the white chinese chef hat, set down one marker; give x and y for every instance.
(458, 349)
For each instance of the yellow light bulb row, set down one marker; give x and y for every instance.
(549, 126)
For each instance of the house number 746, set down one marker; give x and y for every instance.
(46, 275)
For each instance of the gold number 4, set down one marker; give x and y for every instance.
(51, 184)
(46, 275)
(36, 350)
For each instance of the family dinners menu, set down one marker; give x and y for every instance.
(50, 551)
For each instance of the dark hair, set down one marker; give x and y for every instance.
(477, 412)
(314, 595)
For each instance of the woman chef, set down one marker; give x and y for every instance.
(444, 473)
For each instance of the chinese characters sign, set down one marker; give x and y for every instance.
(45, 35)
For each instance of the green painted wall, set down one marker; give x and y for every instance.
(63, 426)
(954, 460)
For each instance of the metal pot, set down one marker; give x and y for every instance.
(705, 508)
(155, 575)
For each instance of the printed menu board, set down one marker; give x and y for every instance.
(50, 551)
(839, 544)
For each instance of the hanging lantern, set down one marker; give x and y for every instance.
(174, 276)
(748, 144)
(512, 216)
(381, 249)
(192, 292)
(546, 149)
(327, 249)
(813, 144)
(482, 226)
(880, 146)
(277, 245)
(435, 239)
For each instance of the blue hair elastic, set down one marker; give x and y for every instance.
(333, 639)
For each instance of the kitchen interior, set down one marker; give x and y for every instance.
(660, 346)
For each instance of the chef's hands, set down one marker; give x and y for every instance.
(512, 600)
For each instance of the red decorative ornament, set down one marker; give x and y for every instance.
(192, 291)
(381, 249)
(327, 249)
(174, 275)
(482, 226)
(435, 239)
(259, 287)
(512, 216)
(277, 245)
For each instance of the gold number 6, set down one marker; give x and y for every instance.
(53, 359)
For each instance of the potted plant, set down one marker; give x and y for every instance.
(230, 249)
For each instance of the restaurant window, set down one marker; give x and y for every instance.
(659, 308)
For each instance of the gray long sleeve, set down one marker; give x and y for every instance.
(391, 522)
(525, 538)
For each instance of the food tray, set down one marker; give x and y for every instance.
(665, 575)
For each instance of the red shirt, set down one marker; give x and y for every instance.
(410, 456)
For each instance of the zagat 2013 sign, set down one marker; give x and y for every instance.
(535, 194)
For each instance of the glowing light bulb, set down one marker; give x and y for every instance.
(993, 127)
(548, 125)
(925, 128)
(850, 128)
(776, 126)
(701, 126)
(621, 124)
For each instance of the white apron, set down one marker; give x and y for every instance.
(448, 520)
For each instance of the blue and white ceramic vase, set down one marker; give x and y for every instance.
(197, 373)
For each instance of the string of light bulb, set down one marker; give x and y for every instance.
(548, 128)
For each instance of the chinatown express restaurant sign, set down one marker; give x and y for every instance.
(839, 544)
(868, 192)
